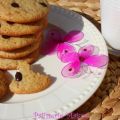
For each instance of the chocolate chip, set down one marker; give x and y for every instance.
(11, 23)
(16, 5)
(18, 76)
(43, 4)
(5, 36)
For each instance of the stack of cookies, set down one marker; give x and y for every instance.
(22, 23)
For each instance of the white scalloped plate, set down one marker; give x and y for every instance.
(65, 94)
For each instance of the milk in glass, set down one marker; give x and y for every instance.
(110, 21)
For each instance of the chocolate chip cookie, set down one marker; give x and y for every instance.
(26, 81)
(22, 52)
(16, 29)
(23, 11)
(8, 43)
(9, 64)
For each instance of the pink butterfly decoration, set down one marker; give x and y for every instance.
(56, 37)
(79, 61)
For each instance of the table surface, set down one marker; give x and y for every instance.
(105, 103)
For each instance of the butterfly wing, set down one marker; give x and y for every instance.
(65, 52)
(69, 57)
(74, 70)
(53, 37)
(74, 36)
(86, 51)
(48, 47)
(54, 34)
(97, 61)
(71, 69)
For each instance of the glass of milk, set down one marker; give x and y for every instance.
(110, 22)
